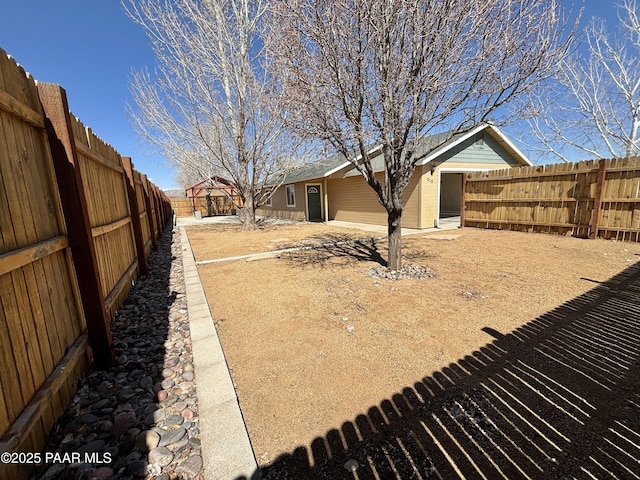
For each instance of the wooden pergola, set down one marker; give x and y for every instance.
(213, 187)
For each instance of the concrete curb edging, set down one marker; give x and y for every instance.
(226, 448)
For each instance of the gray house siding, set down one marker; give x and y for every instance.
(481, 148)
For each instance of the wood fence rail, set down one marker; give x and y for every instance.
(77, 224)
(590, 199)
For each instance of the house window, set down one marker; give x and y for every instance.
(291, 196)
(268, 202)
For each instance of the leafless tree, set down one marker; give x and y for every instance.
(210, 106)
(359, 73)
(593, 107)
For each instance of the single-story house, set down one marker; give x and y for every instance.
(332, 189)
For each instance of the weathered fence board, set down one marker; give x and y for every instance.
(144, 215)
(39, 316)
(69, 248)
(584, 199)
(105, 185)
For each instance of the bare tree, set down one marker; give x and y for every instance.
(210, 106)
(593, 106)
(362, 72)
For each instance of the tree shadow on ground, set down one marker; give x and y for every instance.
(557, 398)
(324, 249)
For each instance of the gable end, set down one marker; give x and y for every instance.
(480, 148)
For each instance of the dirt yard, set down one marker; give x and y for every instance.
(312, 340)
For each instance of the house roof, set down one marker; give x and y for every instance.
(440, 143)
(318, 169)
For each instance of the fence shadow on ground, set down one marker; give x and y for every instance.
(556, 398)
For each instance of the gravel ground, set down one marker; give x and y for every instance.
(141, 414)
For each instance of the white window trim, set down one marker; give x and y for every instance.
(286, 195)
(269, 202)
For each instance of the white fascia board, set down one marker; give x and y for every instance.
(347, 163)
(511, 145)
(336, 169)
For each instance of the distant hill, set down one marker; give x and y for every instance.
(176, 193)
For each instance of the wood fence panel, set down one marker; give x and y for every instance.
(591, 198)
(183, 207)
(159, 208)
(167, 213)
(146, 186)
(155, 210)
(220, 205)
(142, 206)
(620, 218)
(105, 187)
(135, 215)
(40, 318)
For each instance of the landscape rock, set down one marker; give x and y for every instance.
(147, 440)
(137, 468)
(167, 437)
(102, 473)
(123, 422)
(142, 412)
(191, 466)
(407, 272)
(160, 456)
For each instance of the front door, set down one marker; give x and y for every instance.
(314, 206)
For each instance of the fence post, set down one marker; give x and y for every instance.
(463, 205)
(156, 203)
(135, 215)
(597, 202)
(65, 160)
(150, 217)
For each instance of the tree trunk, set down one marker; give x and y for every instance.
(395, 239)
(249, 214)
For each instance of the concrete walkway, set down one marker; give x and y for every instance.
(226, 449)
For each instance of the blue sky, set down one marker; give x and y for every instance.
(90, 48)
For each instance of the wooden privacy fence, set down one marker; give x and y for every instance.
(590, 199)
(182, 207)
(220, 205)
(77, 224)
